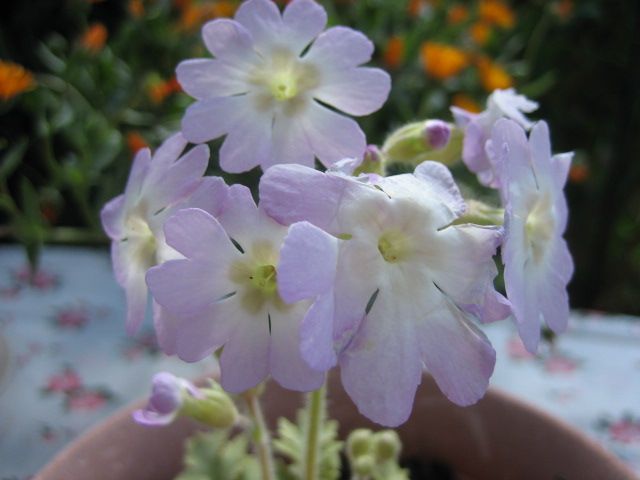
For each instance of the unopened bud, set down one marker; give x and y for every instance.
(359, 443)
(168, 394)
(437, 133)
(386, 445)
(364, 465)
(373, 161)
(480, 213)
(417, 142)
(214, 407)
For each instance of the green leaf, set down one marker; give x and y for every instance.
(12, 158)
(291, 445)
(216, 456)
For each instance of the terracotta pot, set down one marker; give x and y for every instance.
(499, 438)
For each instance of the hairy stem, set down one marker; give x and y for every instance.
(316, 415)
(262, 438)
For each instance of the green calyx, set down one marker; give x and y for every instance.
(215, 408)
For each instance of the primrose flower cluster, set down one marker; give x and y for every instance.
(381, 277)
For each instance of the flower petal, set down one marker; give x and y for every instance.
(289, 144)
(356, 91)
(166, 327)
(308, 261)
(166, 186)
(207, 78)
(167, 153)
(456, 353)
(198, 336)
(229, 40)
(244, 362)
(442, 184)
(139, 169)
(461, 261)
(381, 368)
(293, 193)
(210, 196)
(201, 284)
(333, 137)
(248, 143)
(262, 19)
(130, 271)
(286, 363)
(316, 334)
(303, 21)
(198, 235)
(339, 48)
(211, 118)
(112, 217)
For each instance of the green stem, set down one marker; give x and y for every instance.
(262, 438)
(316, 414)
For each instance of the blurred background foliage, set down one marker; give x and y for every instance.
(85, 83)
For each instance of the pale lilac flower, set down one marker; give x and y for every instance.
(264, 86)
(224, 294)
(392, 279)
(477, 130)
(538, 265)
(133, 221)
(166, 400)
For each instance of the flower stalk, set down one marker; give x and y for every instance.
(261, 435)
(316, 414)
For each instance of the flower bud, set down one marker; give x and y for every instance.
(215, 408)
(428, 140)
(437, 133)
(172, 396)
(386, 446)
(372, 162)
(166, 400)
(479, 213)
(359, 443)
(364, 465)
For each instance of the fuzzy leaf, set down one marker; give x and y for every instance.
(215, 455)
(290, 443)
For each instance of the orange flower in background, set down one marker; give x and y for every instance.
(480, 33)
(136, 8)
(394, 52)
(195, 14)
(457, 14)
(94, 38)
(135, 141)
(492, 75)
(442, 61)
(563, 9)
(495, 12)
(579, 173)
(464, 101)
(159, 90)
(14, 80)
(417, 7)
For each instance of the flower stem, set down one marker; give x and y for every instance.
(316, 414)
(262, 438)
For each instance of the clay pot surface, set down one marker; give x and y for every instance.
(500, 438)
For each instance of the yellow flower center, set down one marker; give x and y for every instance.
(263, 278)
(393, 246)
(539, 227)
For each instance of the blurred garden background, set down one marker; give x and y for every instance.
(85, 83)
